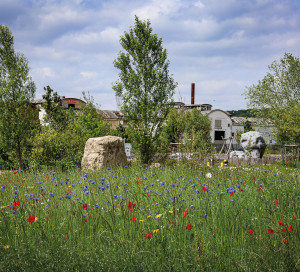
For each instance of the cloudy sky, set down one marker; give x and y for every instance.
(220, 45)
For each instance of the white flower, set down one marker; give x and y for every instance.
(208, 175)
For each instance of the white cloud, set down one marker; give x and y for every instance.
(88, 74)
(199, 4)
(222, 46)
(44, 72)
(156, 9)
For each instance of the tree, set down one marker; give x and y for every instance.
(144, 87)
(55, 113)
(277, 97)
(197, 133)
(189, 128)
(18, 119)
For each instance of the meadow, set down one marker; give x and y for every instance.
(180, 217)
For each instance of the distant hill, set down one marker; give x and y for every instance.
(241, 113)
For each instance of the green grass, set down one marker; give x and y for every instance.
(114, 238)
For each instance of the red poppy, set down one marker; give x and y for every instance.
(290, 228)
(31, 219)
(242, 189)
(283, 229)
(84, 206)
(280, 224)
(173, 223)
(258, 188)
(131, 206)
(189, 227)
(250, 232)
(203, 188)
(16, 203)
(133, 219)
(294, 216)
(276, 202)
(15, 172)
(271, 231)
(285, 240)
(148, 235)
(231, 193)
(253, 178)
(185, 213)
(85, 219)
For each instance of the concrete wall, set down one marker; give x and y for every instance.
(221, 125)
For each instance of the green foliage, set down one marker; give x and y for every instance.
(277, 97)
(145, 87)
(241, 113)
(56, 115)
(18, 120)
(63, 146)
(248, 126)
(197, 133)
(90, 123)
(189, 128)
(174, 127)
(93, 230)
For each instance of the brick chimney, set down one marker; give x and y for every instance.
(193, 94)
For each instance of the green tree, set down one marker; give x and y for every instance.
(197, 133)
(277, 97)
(145, 87)
(189, 128)
(18, 119)
(67, 139)
(56, 115)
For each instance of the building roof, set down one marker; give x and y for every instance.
(110, 114)
(257, 121)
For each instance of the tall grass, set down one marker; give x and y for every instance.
(200, 218)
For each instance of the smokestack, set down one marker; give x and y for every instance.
(193, 94)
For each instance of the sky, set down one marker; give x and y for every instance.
(223, 46)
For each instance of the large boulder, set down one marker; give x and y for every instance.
(253, 144)
(103, 152)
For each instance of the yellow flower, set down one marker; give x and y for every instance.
(141, 221)
(170, 211)
(6, 247)
(35, 219)
(207, 164)
(221, 164)
(149, 216)
(158, 216)
(2, 207)
(156, 231)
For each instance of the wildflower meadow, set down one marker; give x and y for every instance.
(172, 218)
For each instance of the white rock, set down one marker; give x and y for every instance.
(103, 152)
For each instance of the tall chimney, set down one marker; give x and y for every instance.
(193, 94)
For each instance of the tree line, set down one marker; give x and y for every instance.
(145, 89)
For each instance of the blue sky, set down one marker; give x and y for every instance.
(222, 46)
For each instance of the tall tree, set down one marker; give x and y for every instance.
(277, 97)
(17, 118)
(56, 115)
(145, 87)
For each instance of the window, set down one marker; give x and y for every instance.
(218, 123)
(71, 106)
(219, 135)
